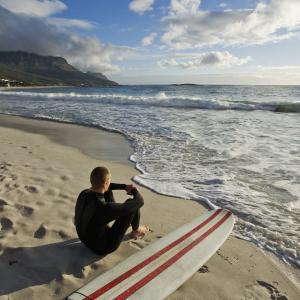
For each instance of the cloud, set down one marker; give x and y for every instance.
(223, 5)
(188, 26)
(278, 68)
(36, 8)
(206, 59)
(148, 40)
(140, 6)
(40, 35)
(88, 53)
(184, 7)
(71, 23)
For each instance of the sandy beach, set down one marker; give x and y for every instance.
(43, 167)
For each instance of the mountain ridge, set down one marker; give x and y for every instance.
(20, 68)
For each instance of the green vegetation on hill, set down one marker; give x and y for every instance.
(19, 68)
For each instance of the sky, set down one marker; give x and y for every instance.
(162, 41)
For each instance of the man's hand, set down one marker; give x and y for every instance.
(130, 188)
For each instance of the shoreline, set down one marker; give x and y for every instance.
(4, 88)
(49, 126)
(234, 254)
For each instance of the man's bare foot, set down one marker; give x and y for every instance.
(140, 232)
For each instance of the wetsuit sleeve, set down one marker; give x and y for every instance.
(117, 186)
(112, 211)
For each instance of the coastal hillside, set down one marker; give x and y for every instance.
(19, 68)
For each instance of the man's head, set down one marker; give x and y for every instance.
(100, 178)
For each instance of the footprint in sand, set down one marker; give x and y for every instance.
(6, 224)
(64, 196)
(13, 177)
(2, 202)
(25, 211)
(31, 189)
(63, 234)
(10, 187)
(3, 167)
(203, 269)
(64, 177)
(274, 292)
(41, 232)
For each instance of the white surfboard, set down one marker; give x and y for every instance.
(160, 268)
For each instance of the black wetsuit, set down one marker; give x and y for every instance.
(94, 211)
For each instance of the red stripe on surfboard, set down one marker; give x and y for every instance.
(151, 258)
(170, 261)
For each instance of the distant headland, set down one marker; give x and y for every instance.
(19, 68)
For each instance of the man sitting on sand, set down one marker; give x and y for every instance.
(96, 207)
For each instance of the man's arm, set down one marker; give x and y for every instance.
(112, 210)
(117, 186)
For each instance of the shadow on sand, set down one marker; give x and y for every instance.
(23, 267)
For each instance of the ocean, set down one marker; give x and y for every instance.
(236, 147)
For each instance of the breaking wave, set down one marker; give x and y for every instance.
(161, 99)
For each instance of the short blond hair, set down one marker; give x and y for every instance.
(99, 176)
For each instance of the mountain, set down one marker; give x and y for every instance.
(98, 75)
(19, 68)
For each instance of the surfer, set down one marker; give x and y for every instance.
(96, 207)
